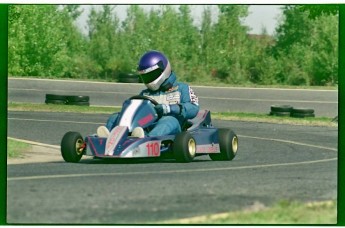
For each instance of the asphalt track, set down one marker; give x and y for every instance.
(275, 162)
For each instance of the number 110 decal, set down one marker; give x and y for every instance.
(153, 148)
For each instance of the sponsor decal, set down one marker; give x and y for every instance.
(143, 121)
(173, 96)
(193, 98)
(113, 139)
(208, 148)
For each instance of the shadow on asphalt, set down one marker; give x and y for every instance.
(131, 161)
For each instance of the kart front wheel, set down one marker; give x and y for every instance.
(184, 147)
(72, 147)
(228, 143)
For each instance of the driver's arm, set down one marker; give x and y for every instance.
(189, 102)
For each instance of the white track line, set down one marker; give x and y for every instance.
(168, 171)
(67, 91)
(211, 87)
(53, 121)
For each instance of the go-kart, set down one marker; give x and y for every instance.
(198, 137)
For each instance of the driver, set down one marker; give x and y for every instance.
(177, 101)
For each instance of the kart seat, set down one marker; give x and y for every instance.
(202, 119)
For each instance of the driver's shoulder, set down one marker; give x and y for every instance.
(182, 86)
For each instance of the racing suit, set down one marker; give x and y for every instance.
(183, 105)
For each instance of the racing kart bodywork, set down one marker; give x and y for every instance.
(198, 137)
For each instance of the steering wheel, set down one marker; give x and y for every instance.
(142, 97)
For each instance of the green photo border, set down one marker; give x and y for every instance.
(3, 102)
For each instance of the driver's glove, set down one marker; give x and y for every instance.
(163, 109)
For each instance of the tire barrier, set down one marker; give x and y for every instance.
(281, 110)
(67, 99)
(129, 78)
(287, 110)
(302, 112)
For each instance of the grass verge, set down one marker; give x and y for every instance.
(254, 117)
(34, 107)
(266, 118)
(15, 149)
(284, 212)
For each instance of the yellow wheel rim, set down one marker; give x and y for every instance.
(234, 144)
(192, 147)
(79, 146)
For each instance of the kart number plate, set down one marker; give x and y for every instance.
(151, 148)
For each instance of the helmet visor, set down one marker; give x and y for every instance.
(151, 76)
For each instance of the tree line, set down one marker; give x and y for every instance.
(43, 40)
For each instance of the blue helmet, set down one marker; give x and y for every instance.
(154, 68)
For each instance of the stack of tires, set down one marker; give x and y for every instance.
(287, 110)
(67, 99)
(281, 110)
(55, 99)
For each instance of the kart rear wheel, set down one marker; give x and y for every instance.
(72, 147)
(184, 147)
(228, 143)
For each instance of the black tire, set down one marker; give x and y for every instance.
(280, 113)
(302, 110)
(72, 147)
(184, 147)
(61, 102)
(281, 108)
(129, 78)
(228, 143)
(81, 103)
(77, 99)
(302, 115)
(55, 97)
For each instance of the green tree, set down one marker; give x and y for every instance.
(167, 34)
(307, 48)
(103, 41)
(263, 67)
(40, 40)
(319, 10)
(230, 44)
(137, 34)
(73, 11)
(206, 39)
(188, 44)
